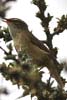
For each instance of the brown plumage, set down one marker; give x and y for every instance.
(26, 42)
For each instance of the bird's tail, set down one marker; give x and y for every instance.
(55, 73)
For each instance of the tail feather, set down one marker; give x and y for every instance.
(55, 73)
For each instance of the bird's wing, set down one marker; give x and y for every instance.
(37, 42)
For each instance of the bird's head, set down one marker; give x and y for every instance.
(16, 25)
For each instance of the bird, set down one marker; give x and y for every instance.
(27, 43)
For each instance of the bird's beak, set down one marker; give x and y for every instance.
(5, 20)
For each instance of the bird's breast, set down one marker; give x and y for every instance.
(22, 43)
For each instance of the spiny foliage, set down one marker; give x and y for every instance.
(4, 7)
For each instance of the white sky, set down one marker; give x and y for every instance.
(26, 11)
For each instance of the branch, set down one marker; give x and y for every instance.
(4, 50)
(57, 31)
(62, 25)
(9, 56)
